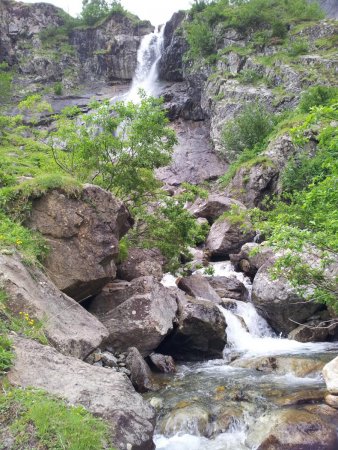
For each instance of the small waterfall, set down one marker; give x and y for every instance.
(146, 74)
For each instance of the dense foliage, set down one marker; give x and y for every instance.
(95, 10)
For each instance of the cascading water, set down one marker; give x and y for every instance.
(148, 56)
(247, 392)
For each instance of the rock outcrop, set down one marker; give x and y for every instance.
(142, 320)
(200, 332)
(68, 327)
(229, 287)
(101, 391)
(83, 234)
(213, 207)
(251, 258)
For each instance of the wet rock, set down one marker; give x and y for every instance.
(293, 430)
(226, 418)
(227, 287)
(198, 287)
(141, 262)
(68, 326)
(300, 398)
(193, 419)
(83, 233)
(251, 257)
(332, 400)
(325, 412)
(140, 373)
(229, 303)
(314, 331)
(162, 363)
(103, 392)
(142, 320)
(213, 207)
(227, 236)
(279, 303)
(330, 374)
(200, 332)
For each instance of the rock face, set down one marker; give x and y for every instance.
(197, 286)
(293, 430)
(227, 237)
(83, 235)
(200, 333)
(140, 263)
(142, 320)
(103, 392)
(140, 373)
(251, 258)
(213, 207)
(68, 326)
(330, 7)
(278, 302)
(227, 287)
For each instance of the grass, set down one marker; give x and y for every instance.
(35, 419)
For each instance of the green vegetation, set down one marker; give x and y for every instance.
(6, 77)
(247, 131)
(317, 96)
(34, 418)
(270, 17)
(58, 88)
(94, 11)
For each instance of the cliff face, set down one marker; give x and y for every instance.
(33, 44)
(330, 7)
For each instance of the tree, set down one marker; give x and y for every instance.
(95, 10)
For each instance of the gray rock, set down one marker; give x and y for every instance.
(227, 287)
(108, 359)
(226, 236)
(192, 419)
(292, 429)
(213, 207)
(111, 296)
(200, 333)
(141, 262)
(68, 326)
(251, 258)
(162, 363)
(330, 374)
(314, 331)
(83, 234)
(197, 286)
(103, 392)
(142, 320)
(140, 373)
(278, 302)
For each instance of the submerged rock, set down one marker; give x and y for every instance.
(68, 326)
(200, 332)
(142, 320)
(191, 419)
(103, 392)
(83, 233)
(292, 429)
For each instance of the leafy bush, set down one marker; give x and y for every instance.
(58, 88)
(298, 47)
(247, 130)
(201, 39)
(316, 96)
(95, 10)
(6, 77)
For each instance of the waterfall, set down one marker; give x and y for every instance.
(146, 74)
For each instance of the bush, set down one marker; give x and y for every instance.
(5, 83)
(201, 40)
(298, 47)
(250, 76)
(58, 88)
(248, 130)
(317, 95)
(95, 10)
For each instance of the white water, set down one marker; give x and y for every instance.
(146, 74)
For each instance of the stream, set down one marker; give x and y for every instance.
(236, 390)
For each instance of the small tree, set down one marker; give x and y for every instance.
(95, 10)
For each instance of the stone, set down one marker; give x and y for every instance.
(213, 207)
(332, 400)
(108, 359)
(111, 296)
(198, 287)
(199, 333)
(251, 257)
(229, 287)
(330, 374)
(143, 320)
(279, 303)
(192, 419)
(141, 262)
(140, 373)
(226, 236)
(162, 363)
(105, 393)
(291, 429)
(313, 331)
(68, 326)
(83, 233)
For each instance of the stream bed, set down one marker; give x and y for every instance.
(213, 405)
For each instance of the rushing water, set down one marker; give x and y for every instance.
(242, 385)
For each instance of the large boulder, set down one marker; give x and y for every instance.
(68, 326)
(330, 374)
(140, 373)
(278, 302)
(251, 258)
(292, 429)
(83, 233)
(142, 320)
(200, 332)
(227, 236)
(197, 286)
(141, 262)
(229, 287)
(162, 363)
(104, 392)
(213, 207)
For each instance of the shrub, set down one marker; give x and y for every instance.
(201, 39)
(58, 88)
(247, 130)
(249, 76)
(298, 47)
(317, 95)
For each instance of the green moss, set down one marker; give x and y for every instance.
(33, 416)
